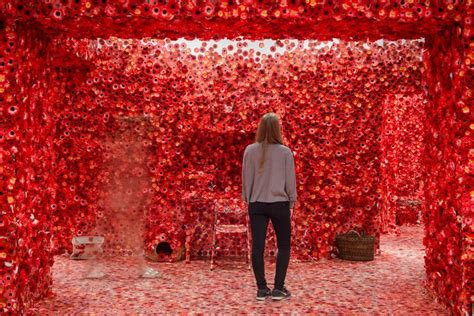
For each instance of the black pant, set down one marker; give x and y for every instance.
(279, 213)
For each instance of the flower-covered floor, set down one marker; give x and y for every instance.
(392, 284)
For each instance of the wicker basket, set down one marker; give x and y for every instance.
(355, 247)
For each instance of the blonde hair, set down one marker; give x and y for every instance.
(268, 132)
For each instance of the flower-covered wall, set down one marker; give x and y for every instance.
(33, 163)
(402, 150)
(331, 116)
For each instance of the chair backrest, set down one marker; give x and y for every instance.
(230, 211)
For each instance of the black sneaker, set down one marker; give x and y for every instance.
(279, 295)
(262, 294)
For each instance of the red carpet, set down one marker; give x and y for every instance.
(392, 284)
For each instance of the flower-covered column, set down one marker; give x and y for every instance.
(26, 161)
(448, 162)
(11, 120)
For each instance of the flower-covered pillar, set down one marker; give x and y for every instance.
(28, 190)
(10, 187)
(448, 161)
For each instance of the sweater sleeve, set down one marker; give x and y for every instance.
(290, 178)
(244, 176)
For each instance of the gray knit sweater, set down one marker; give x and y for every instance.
(277, 182)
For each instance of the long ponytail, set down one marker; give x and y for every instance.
(268, 132)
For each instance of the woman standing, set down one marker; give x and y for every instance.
(269, 186)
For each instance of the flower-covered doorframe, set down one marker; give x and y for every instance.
(28, 76)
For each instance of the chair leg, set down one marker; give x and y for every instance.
(188, 246)
(213, 248)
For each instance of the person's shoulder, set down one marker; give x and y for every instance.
(251, 147)
(285, 149)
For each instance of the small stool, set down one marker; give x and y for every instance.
(86, 247)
